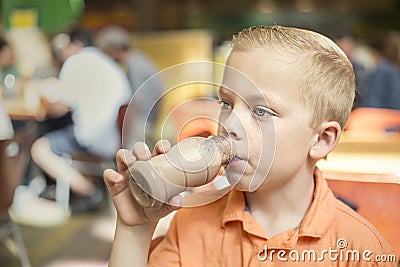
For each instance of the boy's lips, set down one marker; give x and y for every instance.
(236, 160)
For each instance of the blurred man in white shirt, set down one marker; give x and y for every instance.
(92, 87)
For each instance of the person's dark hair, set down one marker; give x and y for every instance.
(343, 32)
(3, 43)
(81, 35)
(377, 40)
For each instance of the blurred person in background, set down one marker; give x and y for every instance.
(346, 40)
(115, 41)
(12, 85)
(93, 88)
(57, 44)
(7, 60)
(9, 75)
(393, 48)
(382, 86)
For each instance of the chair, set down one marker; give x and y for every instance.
(13, 163)
(93, 165)
(374, 120)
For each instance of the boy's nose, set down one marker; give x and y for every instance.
(233, 125)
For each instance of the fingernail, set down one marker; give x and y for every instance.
(148, 153)
(130, 159)
(119, 178)
(166, 145)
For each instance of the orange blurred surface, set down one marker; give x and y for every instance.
(377, 202)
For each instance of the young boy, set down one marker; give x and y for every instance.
(288, 217)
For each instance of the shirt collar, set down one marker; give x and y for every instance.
(321, 212)
(316, 221)
(234, 209)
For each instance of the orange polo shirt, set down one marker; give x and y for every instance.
(223, 233)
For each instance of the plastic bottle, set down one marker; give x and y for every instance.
(192, 162)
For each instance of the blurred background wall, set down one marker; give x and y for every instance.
(211, 21)
(222, 17)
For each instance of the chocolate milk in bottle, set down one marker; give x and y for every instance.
(192, 162)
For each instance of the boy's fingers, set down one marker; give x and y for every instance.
(167, 208)
(124, 159)
(162, 146)
(111, 177)
(141, 151)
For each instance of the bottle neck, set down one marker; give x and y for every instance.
(225, 146)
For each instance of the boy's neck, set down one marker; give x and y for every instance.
(282, 208)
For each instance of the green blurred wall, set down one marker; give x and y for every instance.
(52, 15)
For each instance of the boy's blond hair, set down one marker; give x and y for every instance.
(325, 74)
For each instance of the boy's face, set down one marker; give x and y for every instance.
(269, 124)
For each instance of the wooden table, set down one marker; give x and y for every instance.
(25, 106)
(364, 169)
(365, 157)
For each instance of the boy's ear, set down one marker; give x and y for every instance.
(326, 140)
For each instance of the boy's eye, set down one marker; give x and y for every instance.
(224, 104)
(262, 112)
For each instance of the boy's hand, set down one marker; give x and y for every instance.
(130, 213)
